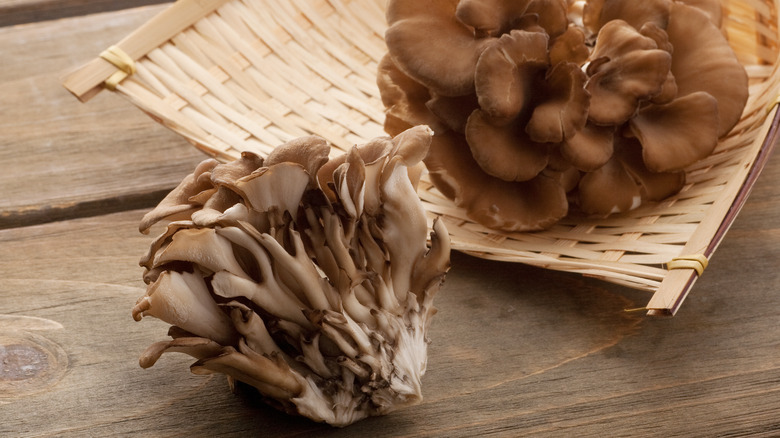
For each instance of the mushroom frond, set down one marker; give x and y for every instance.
(314, 283)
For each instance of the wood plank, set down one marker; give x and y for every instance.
(76, 159)
(13, 12)
(516, 350)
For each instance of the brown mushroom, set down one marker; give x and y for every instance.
(574, 10)
(526, 97)
(183, 299)
(429, 45)
(552, 16)
(590, 148)
(626, 69)
(454, 112)
(491, 17)
(404, 99)
(506, 73)
(704, 61)
(311, 152)
(713, 9)
(653, 186)
(608, 190)
(320, 300)
(177, 202)
(569, 47)
(563, 109)
(677, 134)
(669, 89)
(511, 206)
(597, 13)
(504, 152)
(624, 182)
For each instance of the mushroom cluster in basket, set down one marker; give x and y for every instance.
(306, 277)
(537, 105)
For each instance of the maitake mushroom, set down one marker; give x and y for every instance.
(539, 104)
(307, 278)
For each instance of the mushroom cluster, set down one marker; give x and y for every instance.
(308, 278)
(537, 105)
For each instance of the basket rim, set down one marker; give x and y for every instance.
(670, 286)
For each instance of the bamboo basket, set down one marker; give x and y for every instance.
(251, 74)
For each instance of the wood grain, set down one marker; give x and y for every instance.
(516, 351)
(13, 12)
(60, 158)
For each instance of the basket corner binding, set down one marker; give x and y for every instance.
(232, 75)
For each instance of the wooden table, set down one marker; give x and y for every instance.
(516, 350)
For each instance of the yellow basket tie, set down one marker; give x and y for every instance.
(697, 262)
(122, 61)
(773, 104)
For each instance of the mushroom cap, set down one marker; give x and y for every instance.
(229, 173)
(569, 47)
(509, 206)
(193, 346)
(412, 145)
(183, 299)
(704, 61)
(713, 9)
(677, 134)
(627, 69)
(178, 201)
(552, 15)
(349, 182)
(311, 152)
(624, 183)
(669, 88)
(609, 189)
(454, 112)
(504, 152)
(657, 34)
(278, 188)
(491, 17)
(506, 73)
(590, 148)
(564, 108)
(653, 186)
(370, 153)
(568, 178)
(597, 13)
(404, 99)
(429, 45)
(404, 225)
(574, 9)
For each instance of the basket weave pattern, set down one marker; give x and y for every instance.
(252, 74)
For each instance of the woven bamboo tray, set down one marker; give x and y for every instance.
(252, 74)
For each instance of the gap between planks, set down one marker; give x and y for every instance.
(14, 12)
(42, 214)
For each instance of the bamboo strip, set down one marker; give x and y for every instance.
(86, 82)
(251, 74)
(711, 230)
